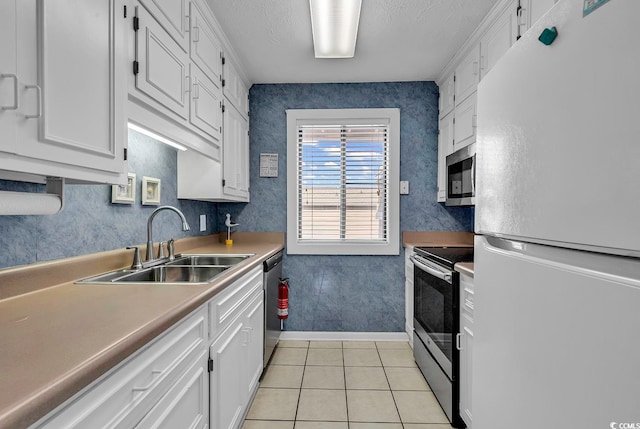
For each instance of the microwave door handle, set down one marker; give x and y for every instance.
(436, 273)
(473, 175)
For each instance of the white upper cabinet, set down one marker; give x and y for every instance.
(465, 123)
(234, 88)
(447, 93)
(235, 155)
(162, 67)
(445, 147)
(63, 98)
(467, 75)
(173, 16)
(206, 47)
(498, 39)
(531, 11)
(206, 106)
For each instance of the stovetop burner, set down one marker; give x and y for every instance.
(447, 256)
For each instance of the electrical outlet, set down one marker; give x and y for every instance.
(404, 187)
(203, 223)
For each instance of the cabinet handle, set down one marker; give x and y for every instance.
(482, 62)
(14, 106)
(39, 98)
(196, 91)
(196, 34)
(459, 341)
(187, 27)
(475, 68)
(247, 336)
(187, 84)
(155, 376)
(474, 121)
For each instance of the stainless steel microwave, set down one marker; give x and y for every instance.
(461, 177)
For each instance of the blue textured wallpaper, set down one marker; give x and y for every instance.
(347, 293)
(90, 223)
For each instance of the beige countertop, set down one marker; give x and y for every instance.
(465, 268)
(437, 238)
(57, 336)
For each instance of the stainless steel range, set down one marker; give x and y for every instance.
(436, 321)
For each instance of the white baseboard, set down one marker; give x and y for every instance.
(344, 336)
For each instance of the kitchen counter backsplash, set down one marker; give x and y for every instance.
(90, 223)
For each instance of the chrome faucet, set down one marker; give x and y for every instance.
(185, 227)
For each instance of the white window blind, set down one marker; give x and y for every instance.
(342, 182)
(343, 175)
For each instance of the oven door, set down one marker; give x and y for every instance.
(435, 309)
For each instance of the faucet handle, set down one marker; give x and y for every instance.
(171, 249)
(161, 249)
(137, 260)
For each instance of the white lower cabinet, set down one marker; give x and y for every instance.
(408, 292)
(200, 373)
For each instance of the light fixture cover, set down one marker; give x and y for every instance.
(335, 27)
(155, 136)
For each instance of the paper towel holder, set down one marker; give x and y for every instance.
(30, 203)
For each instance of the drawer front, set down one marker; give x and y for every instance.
(124, 397)
(228, 304)
(466, 295)
(186, 405)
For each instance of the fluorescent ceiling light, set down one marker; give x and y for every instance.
(155, 136)
(335, 27)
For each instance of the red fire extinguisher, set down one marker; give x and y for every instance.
(283, 299)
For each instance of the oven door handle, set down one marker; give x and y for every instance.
(446, 276)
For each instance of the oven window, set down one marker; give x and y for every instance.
(434, 309)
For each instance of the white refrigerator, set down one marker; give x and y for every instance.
(557, 252)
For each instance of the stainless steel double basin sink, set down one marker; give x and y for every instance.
(185, 269)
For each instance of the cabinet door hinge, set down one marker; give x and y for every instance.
(210, 365)
(125, 10)
(136, 67)
(125, 153)
(136, 23)
(222, 107)
(224, 183)
(224, 82)
(223, 60)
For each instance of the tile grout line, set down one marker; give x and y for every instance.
(306, 356)
(395, 404)
(344, 373)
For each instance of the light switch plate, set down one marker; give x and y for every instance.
(404, 187)
(203, 223)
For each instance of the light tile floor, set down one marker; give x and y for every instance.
(344, 385)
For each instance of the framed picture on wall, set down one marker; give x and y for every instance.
(150, 191)
(124, 194)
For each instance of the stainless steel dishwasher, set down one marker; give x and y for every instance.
(272, 325)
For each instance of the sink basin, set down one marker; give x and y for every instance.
(187, 269)
(174, 274)
(200, 260)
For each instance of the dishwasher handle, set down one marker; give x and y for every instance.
(273, 261)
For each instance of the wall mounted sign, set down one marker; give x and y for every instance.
(591, 5)
(268, 165)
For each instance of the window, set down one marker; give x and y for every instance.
(343, 181)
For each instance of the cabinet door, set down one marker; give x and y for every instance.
(206, 48)
(466, 356)
(206, 104)
(254, 319)
(445, 147)
(447, 96)
(163, 66)
(173, 16)
(467, 75)
(500, 37)
(186, 404)
(531, 11)
(234, 88)
(465, 123)
(227, 380)
(236, 154)
(71, 66)
(8, 77)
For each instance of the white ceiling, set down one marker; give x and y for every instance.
(398, 40)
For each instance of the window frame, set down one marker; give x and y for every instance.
(297, 117)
